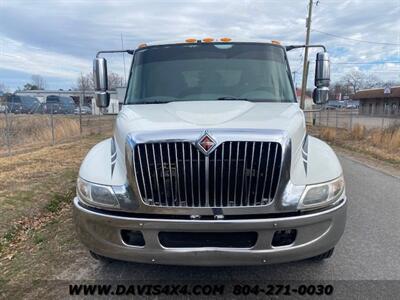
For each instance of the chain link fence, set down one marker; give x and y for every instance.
(348, 118)
(53, 123)
(48, 124)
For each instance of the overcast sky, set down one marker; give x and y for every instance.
(58, 39)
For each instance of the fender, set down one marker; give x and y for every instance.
(104, 164)
(315, 162)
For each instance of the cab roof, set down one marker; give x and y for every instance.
(202, 40)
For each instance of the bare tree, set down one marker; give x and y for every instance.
(85, 82)
(38, 81)
(353, 81)
(114, 81)
(372, 81)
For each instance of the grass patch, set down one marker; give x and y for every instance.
(58, 200)
(9, 236)
(382, 144)
(38, 238)
(11, 233)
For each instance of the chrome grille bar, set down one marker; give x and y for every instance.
(148, 170)
(198, 176)
(178, 186)
(229, 173)
(191, 175)
(163, 175)
(251, 173)
(170, 174)
(235, 174)
(184, 172)
(222, 177)
(258, 174)
(272, 177)
(155, 168)
(243, 173)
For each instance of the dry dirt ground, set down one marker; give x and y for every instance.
(38, 246)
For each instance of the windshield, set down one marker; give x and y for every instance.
(52, 99)
(220, 71)
(29, 100)
(67, 100)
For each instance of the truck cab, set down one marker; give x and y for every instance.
(210, 162)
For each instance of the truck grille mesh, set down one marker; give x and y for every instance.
(177, 174)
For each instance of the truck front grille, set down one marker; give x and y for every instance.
(177, 174)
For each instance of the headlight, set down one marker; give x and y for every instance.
(114, 197)
(323, 194)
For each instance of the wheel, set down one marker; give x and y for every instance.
(323, 256)
(102, 259)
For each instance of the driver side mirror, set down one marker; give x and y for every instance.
(101, 82)
(322, 78)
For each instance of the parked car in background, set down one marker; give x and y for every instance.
(13, 104)
(29, 104)
(59, 105)
(352, 106)
(85, 110)
(335, 104)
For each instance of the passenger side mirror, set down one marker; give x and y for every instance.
(321, 95)
(101, 82)
(322, 78)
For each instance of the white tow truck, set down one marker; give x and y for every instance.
(210, 162)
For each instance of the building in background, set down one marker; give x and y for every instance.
(379, 102)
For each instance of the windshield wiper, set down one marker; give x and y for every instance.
(155, 101)
(245, 99)
(232, 98)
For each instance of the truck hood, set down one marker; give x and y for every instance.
(211, 114)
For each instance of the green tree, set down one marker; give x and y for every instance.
(30, 87)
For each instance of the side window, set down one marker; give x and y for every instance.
(16, 99)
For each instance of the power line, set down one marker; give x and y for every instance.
(356, 63)
(366, 63)
(355, 40)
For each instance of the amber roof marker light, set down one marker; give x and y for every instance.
(142, 46)
(208, 40)
(275, 42)
(191, 40)
(225, 39)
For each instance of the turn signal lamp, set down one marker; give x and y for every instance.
(190, 40)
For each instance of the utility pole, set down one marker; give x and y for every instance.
(123, 57)
(304, 80)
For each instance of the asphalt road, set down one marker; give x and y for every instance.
(369, 248)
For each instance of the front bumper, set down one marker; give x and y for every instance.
(316, 233)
